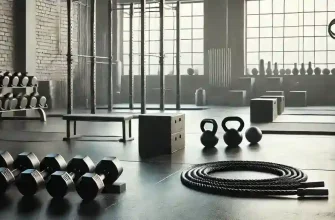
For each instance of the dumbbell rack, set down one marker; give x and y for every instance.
(40, 110)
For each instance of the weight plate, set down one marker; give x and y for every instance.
(25, 81)
(15, 81)
(5, 81)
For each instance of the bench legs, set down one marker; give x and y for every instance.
(126, 131)
(68, 131)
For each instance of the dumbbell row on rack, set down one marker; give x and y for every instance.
(52, 175)
(17, 79)
(10, 101)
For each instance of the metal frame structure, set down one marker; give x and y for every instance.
(112, 7)
(161, 56)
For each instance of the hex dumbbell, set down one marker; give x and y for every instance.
(6, 159)
(107, 171)
(31, 180)
(61, 182)
(22, 162)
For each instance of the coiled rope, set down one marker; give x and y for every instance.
(290, 181)
(331, 33)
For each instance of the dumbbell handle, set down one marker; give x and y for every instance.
(45, 174)
(16, 172)
(102, 176)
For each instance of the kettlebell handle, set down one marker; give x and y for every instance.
(238, 119)
(209, 121)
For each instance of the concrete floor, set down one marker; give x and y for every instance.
(154, 190)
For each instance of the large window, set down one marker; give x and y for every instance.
(192, 49)
(290, 31)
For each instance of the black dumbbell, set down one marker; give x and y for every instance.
(107, 171)
(13, 80)
(4, 80)
(23, 79)
(8, 101)
(6, 159)
(37, 100)
(32, 79)
(22, 162)
(22, 100)
(61, 182)
(31, 180)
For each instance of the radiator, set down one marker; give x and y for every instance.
(219, 67)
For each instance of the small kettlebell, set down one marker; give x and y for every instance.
(208, 138)
(233, 137)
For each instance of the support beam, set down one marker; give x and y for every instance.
(69, 60)
(178, 37)
(110, 61)
(93, 58)
(143, 72)
(115, 47)
(131, 42)
(161, 53)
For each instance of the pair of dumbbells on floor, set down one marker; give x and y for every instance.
(232, 137)
(59, 178)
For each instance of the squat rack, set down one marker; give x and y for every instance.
(112, 7)
(162, 8)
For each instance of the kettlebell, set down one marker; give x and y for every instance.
(232, 137)
(208, 138)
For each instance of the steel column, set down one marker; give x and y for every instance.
(161, 54)
(110, 56)
(93, 58)
(131, 42)
(143, 72)
(178, 42)
(69, 59)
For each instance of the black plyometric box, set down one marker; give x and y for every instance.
(280, 102)
(263, 110)
(161, 134)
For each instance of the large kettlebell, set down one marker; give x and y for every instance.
(232, 137)
(208, 138)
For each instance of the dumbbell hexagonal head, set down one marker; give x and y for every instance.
(108, 171)
(6, 160)
(26, 160)
(6, 179)
(90, 186)
(111, 168)
(61, 182)
(31, 180)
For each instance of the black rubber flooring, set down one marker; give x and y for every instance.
(154, 190)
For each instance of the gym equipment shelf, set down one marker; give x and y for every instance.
(40, 110)
(17, 87)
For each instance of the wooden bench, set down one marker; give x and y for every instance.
(124, 119)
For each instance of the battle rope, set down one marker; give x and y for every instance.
(290, 181)
(331, 33)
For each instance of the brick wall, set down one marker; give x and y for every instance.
(51, 37)
(6, 35)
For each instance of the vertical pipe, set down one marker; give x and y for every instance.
(93, 58)
(224, 61)
(161, 55)
(69, 59)
(209, 67)
(131, 41)
(110, 56)
(115, 49)
(178, 44)
(222, 74)
(143, 73)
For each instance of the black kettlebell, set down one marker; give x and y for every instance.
(233, 137)
(208, 138)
